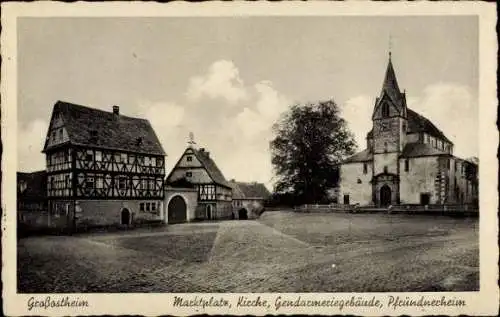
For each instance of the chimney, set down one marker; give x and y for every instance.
(116, 111)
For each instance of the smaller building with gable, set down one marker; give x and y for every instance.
(248, 199)
(196, 171)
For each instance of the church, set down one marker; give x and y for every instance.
(407, 159)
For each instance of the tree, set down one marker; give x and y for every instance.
(310, 141)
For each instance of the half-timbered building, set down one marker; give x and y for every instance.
(103, 167)
(214, 193)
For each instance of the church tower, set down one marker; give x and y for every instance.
(389, 137)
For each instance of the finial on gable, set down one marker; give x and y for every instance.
(191, 141)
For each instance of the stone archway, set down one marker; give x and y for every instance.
(125, 217)
(242, 214)
(385, 195)
(177, 210)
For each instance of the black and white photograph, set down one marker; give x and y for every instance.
(215, 158)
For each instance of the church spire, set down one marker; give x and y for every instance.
(390, 85)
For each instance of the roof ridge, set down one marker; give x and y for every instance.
(98, 110)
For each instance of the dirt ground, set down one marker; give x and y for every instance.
(280, 252)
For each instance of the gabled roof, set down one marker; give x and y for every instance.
(249, 190)
(97, 128)
(208, 164)
(419, 123)
(363, 156)
(212, 169)
(35, 185)
(421, 149)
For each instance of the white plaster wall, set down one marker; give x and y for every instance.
(360, 193)
(419, 179)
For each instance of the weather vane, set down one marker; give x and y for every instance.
(191, 141)
(390, 45)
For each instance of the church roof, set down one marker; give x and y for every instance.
(419, 123)
(249, 190)
(97, 128)
(363, 156)
(420, 149)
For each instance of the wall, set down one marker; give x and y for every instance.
(253, 207)
(220, 210)
(385, 159)
(190, 197)
(108, 212)
(419, 179)
(359, 193)
(199, 175)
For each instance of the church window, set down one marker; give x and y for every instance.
(385, 169)
(407, 165)
(189, 158)
(365, 168)
(385, 110)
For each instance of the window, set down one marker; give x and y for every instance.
(365, 168)
(407, 165)
(404, 126)
(117, 158)
(189, 158)
(147, 206)
(385, 147)
(385, 169)
(385, 110)
(153, 161)
(98, 156)
(122, 183)
(89, 156)
(61, 134)
(146, 161)
(159, 162)
(53, 135)
(131, 159)
(141, 206)
(189, 174)
(124, 157)
(67, 181)
(89, 182)
(448, 163)
(153, 206)
(99, 182)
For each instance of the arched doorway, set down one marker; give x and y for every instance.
(125, 216)
(209, 211)
(242, 214)
(177, 210)
(385, 195)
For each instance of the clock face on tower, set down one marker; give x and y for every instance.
(385, 126)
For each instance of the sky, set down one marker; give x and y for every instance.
(228, 79)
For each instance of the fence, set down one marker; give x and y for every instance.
(464, 209)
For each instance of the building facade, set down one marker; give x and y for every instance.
(198, 170)
(103, 168)
(407, 159)
(248, 199)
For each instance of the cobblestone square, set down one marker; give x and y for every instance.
(280, 252)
